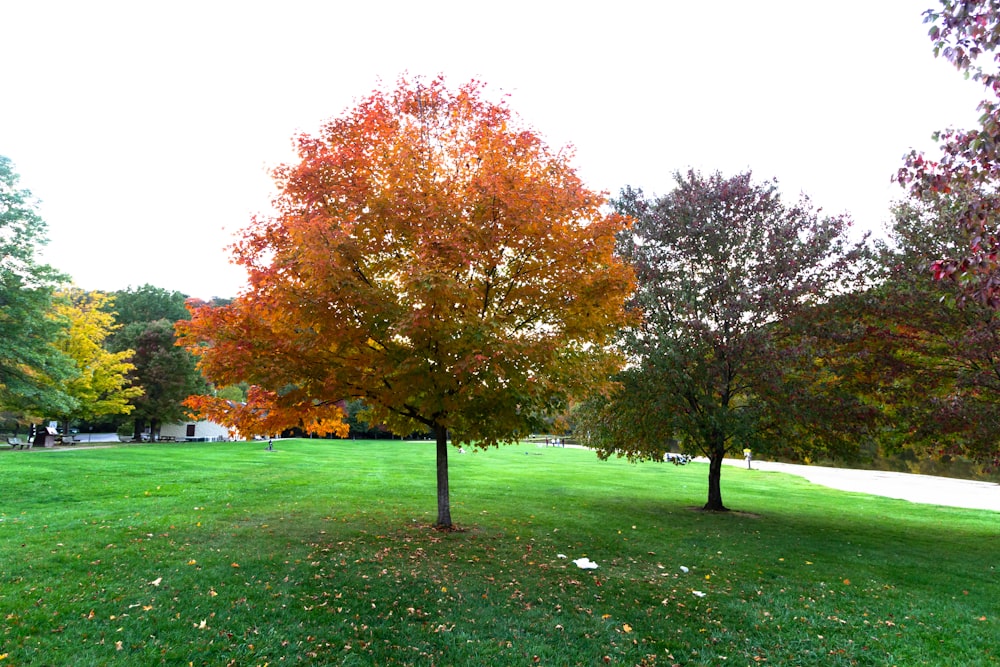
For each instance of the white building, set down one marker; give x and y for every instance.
(192, 431)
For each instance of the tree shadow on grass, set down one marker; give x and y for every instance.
(726, 512)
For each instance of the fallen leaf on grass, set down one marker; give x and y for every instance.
(156, 582)
(626, 627)
(698, 594)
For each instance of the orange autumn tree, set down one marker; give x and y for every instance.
(434, 258)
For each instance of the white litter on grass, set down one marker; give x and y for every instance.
(684, 569)
(560, 555)
(698, 594)
(585, 564)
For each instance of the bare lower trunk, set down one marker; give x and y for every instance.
(138, 427)
(715, 480)
(444, 502)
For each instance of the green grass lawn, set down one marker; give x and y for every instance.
(321, 553)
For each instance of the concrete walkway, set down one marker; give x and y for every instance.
(84, 438)
(926, 489)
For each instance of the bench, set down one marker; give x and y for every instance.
(15, 443)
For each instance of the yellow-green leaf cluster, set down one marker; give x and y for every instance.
(101, 386)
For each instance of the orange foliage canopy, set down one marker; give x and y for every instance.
(263, 414)
(430, 257)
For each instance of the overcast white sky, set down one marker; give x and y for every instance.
(148, 128)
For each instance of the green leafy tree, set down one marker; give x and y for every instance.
(723, 266)
(32, 370)
(934, 357)
(355, 414)
(148, 303)
(166, 373)
(235, 393)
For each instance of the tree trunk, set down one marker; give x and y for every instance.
(714, 503)
(444, 502)
(137, 429)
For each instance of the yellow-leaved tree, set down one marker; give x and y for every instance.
(101, 386)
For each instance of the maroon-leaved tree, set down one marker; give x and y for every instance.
(967, 34)
(723, 267)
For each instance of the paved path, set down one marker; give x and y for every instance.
(905, 486)
(926, 489)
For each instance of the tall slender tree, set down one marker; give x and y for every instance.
(31, 368)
